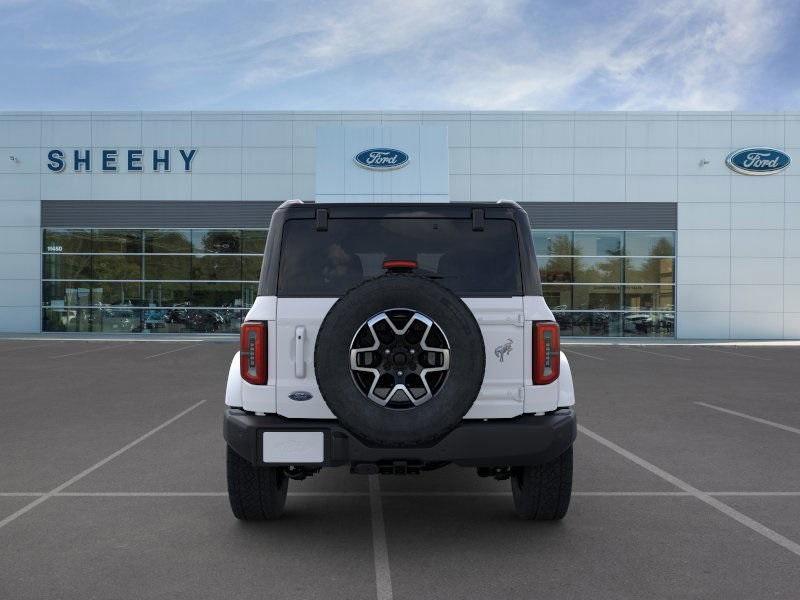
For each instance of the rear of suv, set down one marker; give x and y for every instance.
(399, 338)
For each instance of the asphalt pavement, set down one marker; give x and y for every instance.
(112, 485)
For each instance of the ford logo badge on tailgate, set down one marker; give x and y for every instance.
(758, 161)
(300, 396)
(381, 159)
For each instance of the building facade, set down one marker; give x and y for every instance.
(155, 222)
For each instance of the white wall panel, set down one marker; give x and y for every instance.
(547, 188)
(304, 160)
(19, 186)
(18, 292)
(756, 325)
(704, 188)
(267, 133)
(756, 243)
(704, 216)
(548, 161)
(757, 215)
(217, 133)
(704, 134)
(766, 271)
(64, 132)
(692, 161)
(116, 186)
(599, 188)
(792, 243)
(702, 297)
(652, 161)
(545, 133)
(489, 188)
(791, 271)
(496, 161)
(166, 133)
(21, 319)
(303, 186)
(651, 188)
(460, 188)
(166, 186)
(599, 161)
(269, 160)
(704, 242)
(214, 160)
(703, 325)
(67, 186)
(495, 133)
(19, 266)
(662, 133)
(267, 187)
(216, 187)
(758, 189)
(761, 132)
(116, 134)
(596, 134)
(27, 159)
(768, 298)
(20, 213)
(19, 133)
(703, 270)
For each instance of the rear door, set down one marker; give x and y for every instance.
(480, 266)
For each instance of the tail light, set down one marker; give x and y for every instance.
(546, 352)
(253, 352)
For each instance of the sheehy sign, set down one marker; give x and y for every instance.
(133, 160)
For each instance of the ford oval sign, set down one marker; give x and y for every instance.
(381, 159)
(758, 161)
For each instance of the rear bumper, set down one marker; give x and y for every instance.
(524, 440)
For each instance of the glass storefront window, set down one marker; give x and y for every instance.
(216, 267)
(67, 240)
(650, 270)
(227, 241)
(251, 268)
(552, 243)
(598, 243)
(254, 241)
(649, 297)
(168, 241)
(598, 270)
(177, 267)
(117, 240)
(558, 297)
(117, 266)
(67, 266)
(555, 269)
(597, 297)
(649, 243)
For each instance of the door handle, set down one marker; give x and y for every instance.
(299, 352)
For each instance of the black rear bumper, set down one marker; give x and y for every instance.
(523, 440)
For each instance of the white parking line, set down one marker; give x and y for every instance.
(91, 350)
(94, 467)
(581, 354)
(194, 345)
(656, 353)
(739, 354)
(380, 551)
(751, 418)
(734, 514)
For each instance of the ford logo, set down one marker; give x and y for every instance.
(300, 396)
(381, 159)
(758, 161)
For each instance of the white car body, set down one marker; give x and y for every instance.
(507, 390)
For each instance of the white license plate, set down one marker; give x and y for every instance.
(293, 447)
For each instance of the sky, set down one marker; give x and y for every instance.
(400, 55)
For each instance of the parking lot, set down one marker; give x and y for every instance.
(112, 485)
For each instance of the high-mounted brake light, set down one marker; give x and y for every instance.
(399, 264)
(546, 352)
(253, 352)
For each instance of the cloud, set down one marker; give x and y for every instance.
(449, 54)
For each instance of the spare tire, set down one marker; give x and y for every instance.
(399, 360)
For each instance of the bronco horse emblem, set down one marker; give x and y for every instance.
(504, 349)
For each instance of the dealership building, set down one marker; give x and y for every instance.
(647, 225)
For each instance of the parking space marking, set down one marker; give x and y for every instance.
(380, 550)
(581, 354)
(750, 418)
(31, 505)
(656, 353)
(91, 350)
(734, 514)
(739, 354)
(194, 345)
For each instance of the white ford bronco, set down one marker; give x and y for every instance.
(399, 338)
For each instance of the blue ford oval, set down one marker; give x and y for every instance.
(758, 161)
(381, 159)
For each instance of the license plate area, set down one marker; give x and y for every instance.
(293, 447)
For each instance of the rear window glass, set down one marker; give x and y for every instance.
(470, 263)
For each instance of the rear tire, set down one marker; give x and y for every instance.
(255, 493)
(542, 492)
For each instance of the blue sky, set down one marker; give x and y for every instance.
(400, 54)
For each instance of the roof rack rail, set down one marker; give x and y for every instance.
(511, 202)
(290, 202)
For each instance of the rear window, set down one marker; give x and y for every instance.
(470, 263)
